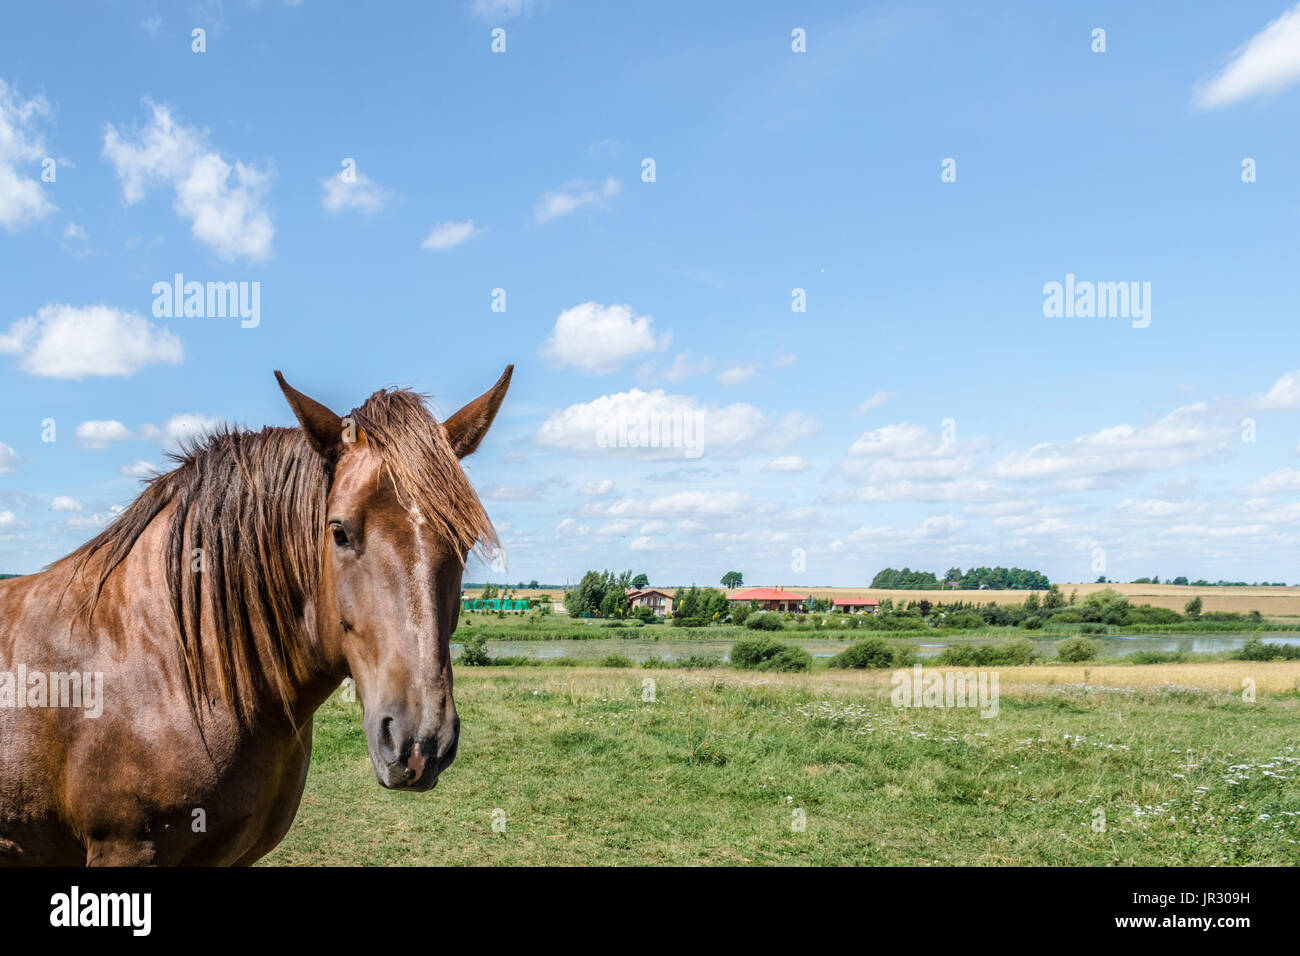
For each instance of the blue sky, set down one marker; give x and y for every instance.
(921, 410)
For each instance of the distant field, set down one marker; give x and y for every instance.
(1274, 602)
(1137, 765)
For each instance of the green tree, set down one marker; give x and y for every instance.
(733, 579)
(640, 581)
(1193, 608)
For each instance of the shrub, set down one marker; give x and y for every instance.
(1076, 649)
(1019, 651)
(963, 619)
(689, 661)
(1032, 624)
(616, 660)
(473, 651)
(1157, 657)
(790, 660)
(741, 612)
(959, 655)
(644, 614)
(769, 654)
(1256, 649)
(1093, 629)
(872, 653)
(764, 621)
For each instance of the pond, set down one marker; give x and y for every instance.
(642, 650)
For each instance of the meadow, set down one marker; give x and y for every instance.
(1165, 764)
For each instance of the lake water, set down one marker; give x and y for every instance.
(642, 650)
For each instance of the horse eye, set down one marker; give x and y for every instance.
(340, 536)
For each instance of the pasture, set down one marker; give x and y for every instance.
(576, 768)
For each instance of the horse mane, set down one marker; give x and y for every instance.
(250, 506)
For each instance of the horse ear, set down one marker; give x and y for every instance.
(467, 427)
(324, 429)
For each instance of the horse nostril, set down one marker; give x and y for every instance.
(386, 743)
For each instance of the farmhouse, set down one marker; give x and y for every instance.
(661, 602)
(769, 599)
(855, 605)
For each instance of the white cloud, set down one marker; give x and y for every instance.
(10, 520)
(224, 204)
(645, 544)
(1180, 438)
(100, 434)
(573, 196)
(138, 469)
(448, 234)
(8, 458)
(360, 193)
(736, 374)
(1268, 62)
(1285, 393)
(180, 429)
(1282, 481)
(787, 463)
(1157, 508)
(684, 367)
(64, 503)
(96, 521)
(22, 197)
(734, 429)
(596, 339)
(65, 341)
(597, 488)
(876, 400)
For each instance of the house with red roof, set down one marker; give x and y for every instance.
(769, 599)
(855, 605)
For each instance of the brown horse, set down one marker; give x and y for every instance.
(217, 613)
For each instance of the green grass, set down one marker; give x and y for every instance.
(711, 771)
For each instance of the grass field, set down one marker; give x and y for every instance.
(715, 769)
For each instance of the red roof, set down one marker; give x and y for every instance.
(855, 601)
(765, 594)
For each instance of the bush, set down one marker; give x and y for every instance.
(1156, 657)
(764, 621)
(1093, 629)
(790, 660)
(872, 653)
(749, 652)
(689, 661)
(1017, 652)
(965, 620)
(1032, 624)
(769, 654)
(616, 660)
(1257, 650)
(644, 614)
(1075, 650)
(690, 622)
(740, 613)
(473, 651)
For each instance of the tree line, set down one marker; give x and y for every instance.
(993, 579)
